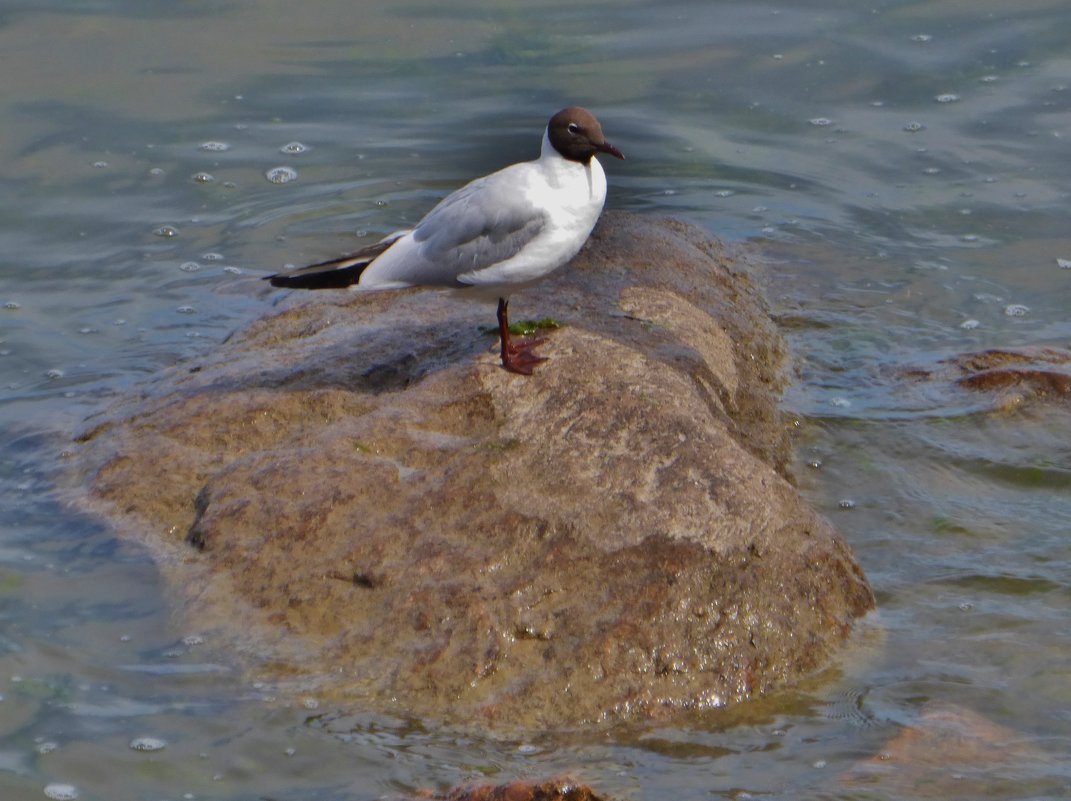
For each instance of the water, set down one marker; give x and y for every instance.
(903, 166)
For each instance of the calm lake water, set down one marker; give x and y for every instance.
(905, 167)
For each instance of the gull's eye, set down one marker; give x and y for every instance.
(574, 128)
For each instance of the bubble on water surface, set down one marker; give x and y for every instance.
(100, 165)
(527, 749)
(186, 310)
(969, 325)
(156, 172)
(820, 122)
(922, 37)
(914, 127)
(846, 503)
(231, 270)
(1064, 264)
(215, 147)
(989, 79)
(166, 231)
(202, 178)
(61, 792)
(53, 374)
(189, 266)
(947, 98)
(1016, 310)
(148, 744)
(193, 639)
(294, 148)
(12, 305)
(840, 403)
(47, 747)
(212, 256)
(281, 175)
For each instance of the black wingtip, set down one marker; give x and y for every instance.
(335, 273)
(331, 279)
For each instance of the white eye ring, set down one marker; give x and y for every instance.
(574, 128)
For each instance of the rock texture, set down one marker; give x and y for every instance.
(355, 494)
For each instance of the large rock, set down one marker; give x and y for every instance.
(353, 491)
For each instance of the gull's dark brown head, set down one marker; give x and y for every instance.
(576, 134)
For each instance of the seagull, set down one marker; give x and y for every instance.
(497, 234)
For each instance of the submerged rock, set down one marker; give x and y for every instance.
(352, 490)
(951, 752)
(1009, 377)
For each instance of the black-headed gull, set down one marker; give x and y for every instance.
(497, 234)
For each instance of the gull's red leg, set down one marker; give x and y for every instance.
(517, 357)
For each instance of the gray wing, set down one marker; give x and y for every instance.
(482, 224)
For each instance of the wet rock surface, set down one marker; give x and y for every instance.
(353, 494)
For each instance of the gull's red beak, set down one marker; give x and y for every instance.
(606, 147)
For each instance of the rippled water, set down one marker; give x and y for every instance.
(904, 166)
